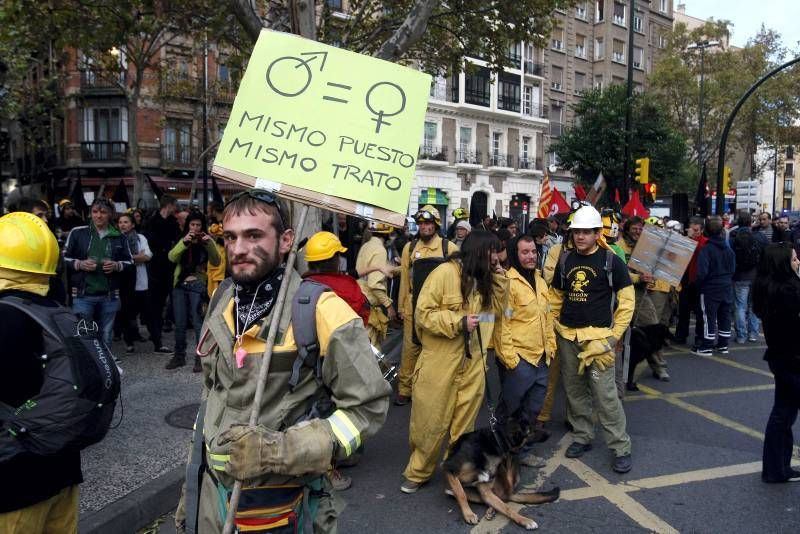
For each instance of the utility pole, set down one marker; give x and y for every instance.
(702, 45)
(775, 181)
(623, 194)
(205, 126)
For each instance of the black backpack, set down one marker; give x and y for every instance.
(420, 269)
(81, 384)
(747, 250)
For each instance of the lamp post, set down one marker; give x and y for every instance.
(3, 144)
(702, 45)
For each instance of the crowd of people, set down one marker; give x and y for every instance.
(552, 305)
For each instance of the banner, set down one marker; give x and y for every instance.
(326, 126)
(544, 198)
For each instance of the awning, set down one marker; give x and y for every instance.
(433, 196)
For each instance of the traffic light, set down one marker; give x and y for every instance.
(726, 180)
(650, 193)
(643, 170)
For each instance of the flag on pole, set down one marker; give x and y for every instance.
(701, 197)
(597, 189)
(558, 204)
(544, 197)
(580, 192)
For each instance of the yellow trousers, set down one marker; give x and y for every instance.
(56, 515)
(377, 327)
(448, 391)
(408, 358)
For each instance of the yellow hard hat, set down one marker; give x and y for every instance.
(28, 244)
(323, 246)
(461, 213)
(380, 228)
(428, 213)
(63, 202)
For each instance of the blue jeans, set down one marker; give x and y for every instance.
(185, 302)
(522, 390)
(778, 438)
(101, 309)
(747, 324)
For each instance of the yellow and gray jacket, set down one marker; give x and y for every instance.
(373, 285)
(421, 250)
(350, 378)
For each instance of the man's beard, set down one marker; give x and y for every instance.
(427, 238)
(265, 264)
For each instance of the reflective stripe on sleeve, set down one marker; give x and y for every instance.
(345, 431)
(218, 461)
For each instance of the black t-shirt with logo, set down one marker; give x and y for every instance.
(587, 295)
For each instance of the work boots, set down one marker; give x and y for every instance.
(198, 367)
(175, 362)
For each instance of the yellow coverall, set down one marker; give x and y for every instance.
(373, 254)
(411, 350)
(216, 273)
(448, 386)
(554, 371)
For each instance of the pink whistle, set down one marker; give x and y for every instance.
(240, 356)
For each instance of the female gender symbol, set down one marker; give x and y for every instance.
(381, 114)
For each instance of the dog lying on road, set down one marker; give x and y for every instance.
(484, 463)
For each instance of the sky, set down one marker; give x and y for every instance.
(748, 15)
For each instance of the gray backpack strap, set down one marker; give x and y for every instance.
(225, 284)
(562, 265)
(610, 275)
(304, 326)
(194, 473)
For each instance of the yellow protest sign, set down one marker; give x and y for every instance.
(326, 120)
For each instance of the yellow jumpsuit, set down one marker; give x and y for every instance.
(373, 254)
(411, 350)
(216, 273)
(554, 371)
(447, 385)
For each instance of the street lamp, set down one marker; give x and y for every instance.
(701, 45)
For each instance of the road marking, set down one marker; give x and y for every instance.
(738, 365)
(703, 392)
(734, 348)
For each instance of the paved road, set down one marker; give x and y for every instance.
(697, 448)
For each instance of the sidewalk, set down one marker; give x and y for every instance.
(134, 474)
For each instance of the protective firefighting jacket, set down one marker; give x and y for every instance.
(432, 248)
(373, 285)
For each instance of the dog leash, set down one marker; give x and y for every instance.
(488, 392)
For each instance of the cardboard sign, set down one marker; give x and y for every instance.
(326, 126)
(663, 253)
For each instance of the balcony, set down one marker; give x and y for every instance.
(508, 103)
(534, 69)
(532, 110)
(514, 60)
(433, 152)
(618, 57)
(555, 128)
(104, 151)
(468, 157)
(477, 98)
(177, 156)
(223, 91)
(530, 164)
(173, 86)
(93, 81)
(497, 159)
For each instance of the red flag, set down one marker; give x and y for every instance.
(558, 204)
(544, 198)
(634, 207)
(580, 192)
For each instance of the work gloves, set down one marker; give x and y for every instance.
(305, 448)
(599, 351)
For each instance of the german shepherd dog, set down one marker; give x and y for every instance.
(484, 463)
(645, 341)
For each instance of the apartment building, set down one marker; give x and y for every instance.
(788, 198)
(589, 49)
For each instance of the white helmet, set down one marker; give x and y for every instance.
(586, 217)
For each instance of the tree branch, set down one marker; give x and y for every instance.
(246, 14)
(409, 32)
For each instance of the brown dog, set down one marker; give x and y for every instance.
(484, 463)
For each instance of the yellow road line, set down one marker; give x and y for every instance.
(738, 365)
(704, 392)
(733, 348)
(699, 475)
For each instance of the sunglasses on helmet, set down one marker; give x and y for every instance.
(424, 216)
(262, 195)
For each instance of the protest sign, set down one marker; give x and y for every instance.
(663, 253)
(326, 126)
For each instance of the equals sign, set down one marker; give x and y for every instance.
(338, 86)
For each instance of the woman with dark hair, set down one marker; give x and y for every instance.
(455, 317)
(190, 254)
(776, 301)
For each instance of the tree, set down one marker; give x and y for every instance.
(766, 118)
(597, 141)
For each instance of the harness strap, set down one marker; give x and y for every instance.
(194, 473)
(488, 397)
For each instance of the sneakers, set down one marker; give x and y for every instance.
(702, 352)
(531, 460)
(162, 350)
(401, 400)
(661, 375)
(130, 349)
(409, 486)
(339, 481)
(739, 340)
(576, 450)
(721, 350)
(175, 362)
(622, 464)
(752, 339)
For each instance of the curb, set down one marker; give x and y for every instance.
(137, 509)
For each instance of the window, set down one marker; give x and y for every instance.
(580, 46)
(335, 5)
(787, 204)
(439, 88)
(508, 92)
(497, 139)
(599, 7)
(619, 14)
(662, 6)
(638, 58)
(223, 73)
(477, 87)
(557, 79)
(531, 102)
(789, 170)
(557, 42)
(637, 23)
(556, 118)
(580, 11)
(788, 186)
(580, 82)
(181, 68)
(618, 51)
(105, 124)
(790, 152)
(178, 142)
(515, 55)
(599, 48)
(598, 81)
(662, 41)
(637, 88)
(430, 136)
(525, 149)
(464, 138)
